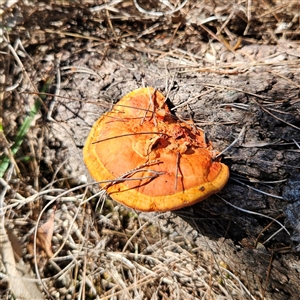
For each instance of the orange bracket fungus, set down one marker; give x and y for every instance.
(147, 159)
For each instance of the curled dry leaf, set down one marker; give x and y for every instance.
(44, 235)
(155, 162)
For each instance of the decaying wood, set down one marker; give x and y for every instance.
(262, 162)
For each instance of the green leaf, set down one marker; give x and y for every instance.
(4, 159)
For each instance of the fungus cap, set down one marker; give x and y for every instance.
(154, 161)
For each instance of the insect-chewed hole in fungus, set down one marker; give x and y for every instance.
(155, 162)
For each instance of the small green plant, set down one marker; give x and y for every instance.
(5, 158)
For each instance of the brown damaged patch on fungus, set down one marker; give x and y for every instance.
(155, 162)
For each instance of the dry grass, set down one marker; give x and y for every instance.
(102, 250)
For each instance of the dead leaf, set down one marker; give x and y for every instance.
(17, 275)
(44, 235)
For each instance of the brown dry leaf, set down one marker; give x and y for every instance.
(44, 235)
(16, 246)
(18, 276)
